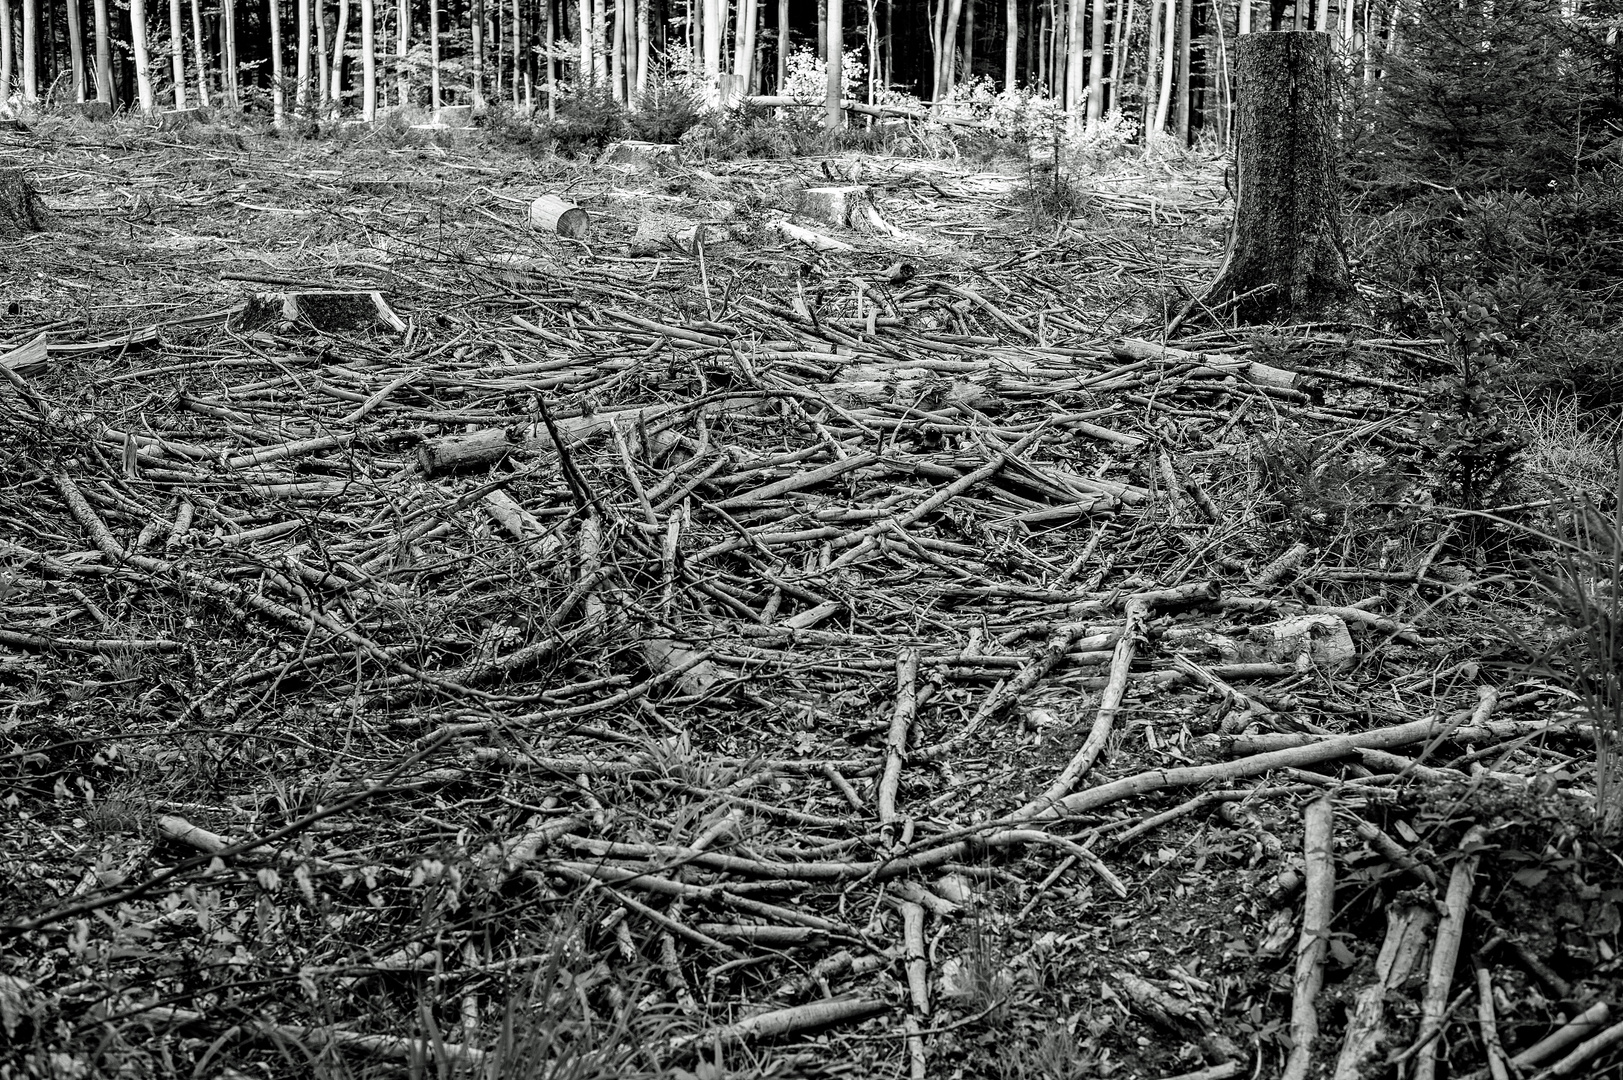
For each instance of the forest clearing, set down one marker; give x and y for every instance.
(486, 595)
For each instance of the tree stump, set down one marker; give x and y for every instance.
(1285, 256)
(20, 209)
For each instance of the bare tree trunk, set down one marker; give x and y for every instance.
(549, 33)
(1118, 62)
(873, 52)
(783, 44)
(836, 65)
(177, 52)
(749, 15)
(1074, 55)
(369, 61)
(498, 35)
(278, 75)
(518, 52)
(30, 50)
(1285, 255)
(1011, 43)
(969, 39)
(76, 51)
(715, 12)
(1169, 60)
(642, 19)
(403, 47)
(477, 44)
(1321, 16)
(323, 72)
(1043, 47)
(228, 61)
(1245, 17)
(1152, 66)
(434, 98)
(199, 61)
(1096, 64)
(822, 29)
(143, 59)
(584, 13)
(301, 62)
(340, 33)
(1186, 16)
(617, 45)
(600, 19)
(947, 56)
(5, 49)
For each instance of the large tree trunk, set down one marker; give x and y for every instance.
(1011, 42)
(402, 47)
(278, 89)
(76, 49)
(369, 61)
(836, 65)
(1152, 67)
(5, 49)
(1186, 34)
(477, 72)
(198, 59)
(1096, 64)
(783, 45)
(1285, 257)
(228, 54)
(177, 52)
(301, 62)
(143, 69)
(340, 32)
(30, 49)
(434, 101)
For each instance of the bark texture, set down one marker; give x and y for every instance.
(20, 210)
(1285, 257)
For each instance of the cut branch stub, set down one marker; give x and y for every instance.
(454, 453)
(559, 216)
(20, 209)
(1285, 256)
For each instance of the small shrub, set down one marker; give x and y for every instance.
(667, 110)
(588, 119)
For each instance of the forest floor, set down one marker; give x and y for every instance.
(633, 656)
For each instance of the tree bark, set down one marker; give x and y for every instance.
(177, 53)
(199, 60)
(369, 61)
(20, 211)
(1285, 257)
(76, 49)
(138, 35)
(783, 44)
(340, 32)
(323, 73)
(1152, 66)
(600, 49)
(301, 63)
(1011, 43)
(278, 90)
(836, 63)
(1186, 20)
(1096, 64)
(477, 72)
(402, 47)
(228, 53)
(30, 50)
(5, 49)
(434, 100)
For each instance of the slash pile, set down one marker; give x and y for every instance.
(717, 632)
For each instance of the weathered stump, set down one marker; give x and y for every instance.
(20, 209)
(1285, 257)
(323, 310)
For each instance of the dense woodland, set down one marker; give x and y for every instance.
(1163, 63)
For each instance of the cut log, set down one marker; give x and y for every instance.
(20, 209)
(642, 155)
(455, 453)
(1250, 371)
(1285, 256)
(175, 119)
(324, 311)
(27, 358)
(556, 215)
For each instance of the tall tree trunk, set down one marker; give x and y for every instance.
(1044, 36)
(1096, 64)
(783, 45)
(749, 15)
(199, 61)
(177, 52)
(477, 44)
(834, 114)
(1152, 66)
(640, 18)
(340, 33)
(323, 72)
(519, 56)
(278, 75)
(1169, 62)
(498, 36)
(1286, 239)
(822, 29)
(301, 61)
(434, 99)
(1075, 54)
(228, 59)
(1321, 16)
(1011, 43)
(30, 72)
(1347, 22)
(549, 31)
(369, 61)
(138, 42)
(402, 49)
(5, 49)
(872, 39)
(969, 39)
(76, 50)
(600, 59)
(1118, 63)
(104, 53)
(715, 14)
(947, 54)
(1186, 16)
(584, 14)
(617, 53)
(1245, 17)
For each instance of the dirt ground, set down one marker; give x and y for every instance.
(738, 642)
